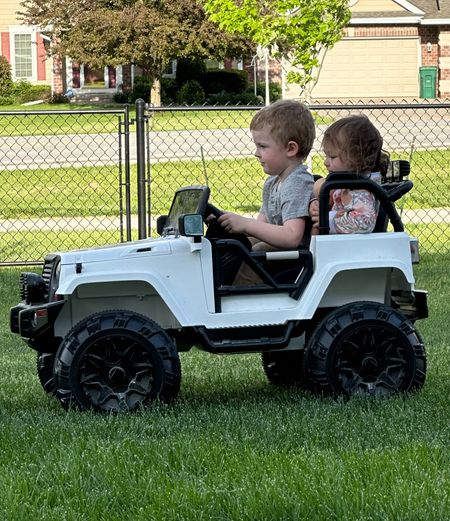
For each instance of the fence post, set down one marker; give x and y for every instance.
(140, 158)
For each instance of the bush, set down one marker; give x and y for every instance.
(58, 97)
(6, 100)
(190, 69)
(141, 89)
(120, 97)
(219, 80)
(274, 90)
(169, 88)
(5, 76)
(226, 98)
(191, 93)
(24, 92)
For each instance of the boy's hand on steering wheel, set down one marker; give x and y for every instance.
(232, 222)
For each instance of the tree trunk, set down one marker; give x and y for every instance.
(155, 94)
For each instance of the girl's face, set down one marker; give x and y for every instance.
(333, 161)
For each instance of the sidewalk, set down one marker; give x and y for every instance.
(419, 216)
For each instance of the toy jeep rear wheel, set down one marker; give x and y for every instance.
(365, 348)
(116, 361)
(284, 368)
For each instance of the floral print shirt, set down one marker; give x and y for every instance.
(354, 211)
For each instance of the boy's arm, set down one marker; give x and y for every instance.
(286, 236)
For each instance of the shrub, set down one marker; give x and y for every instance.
(36, 92)
(190, 69)
(6, 100)
(120, 97)
(226, 98)
(219, 80)
(274, 90)
(191, 93)
(169, 88)
(58, 97)
(5, 76)
(141, 89)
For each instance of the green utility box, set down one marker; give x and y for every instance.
(428, 82)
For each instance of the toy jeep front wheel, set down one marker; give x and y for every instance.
(365, 348)
(116, 361)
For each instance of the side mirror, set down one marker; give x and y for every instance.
(160, 223)
(191, 225)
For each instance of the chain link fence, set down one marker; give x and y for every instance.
(63, 181)
(82, 178)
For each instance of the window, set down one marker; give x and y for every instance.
(171, 71)
(23, 61)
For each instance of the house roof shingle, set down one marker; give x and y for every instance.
(434, 10)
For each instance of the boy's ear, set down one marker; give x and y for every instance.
(292, 148)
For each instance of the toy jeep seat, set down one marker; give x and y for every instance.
(393, 187)
(396, 186)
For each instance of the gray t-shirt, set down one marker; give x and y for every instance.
(288, 199)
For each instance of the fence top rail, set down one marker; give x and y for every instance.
(315, 106)
(394, 106)
(63, 112)
(205, 108)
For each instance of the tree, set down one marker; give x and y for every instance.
(148, 33)
(297, 30)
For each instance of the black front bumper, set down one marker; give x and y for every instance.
(32, 320)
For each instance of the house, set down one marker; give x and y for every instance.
(23, 46)
(390, 49)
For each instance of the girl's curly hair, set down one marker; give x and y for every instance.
(358, 143)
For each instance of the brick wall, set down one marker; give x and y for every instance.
(58, 76)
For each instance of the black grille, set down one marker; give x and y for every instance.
(50, 262)
(32, 288)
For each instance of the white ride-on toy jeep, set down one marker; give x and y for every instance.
(108, 323)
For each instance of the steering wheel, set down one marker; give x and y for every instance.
(212, 210)
(216, 231)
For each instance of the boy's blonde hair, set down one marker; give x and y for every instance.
(358, 143)
(288, 120)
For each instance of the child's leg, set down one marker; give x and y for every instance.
(246, 276)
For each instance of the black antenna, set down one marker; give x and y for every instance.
(204, 165)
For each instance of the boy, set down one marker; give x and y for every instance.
(284, 134)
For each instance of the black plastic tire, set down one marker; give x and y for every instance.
(365, 348)
(44, 365)
(116, 361)
(284, 368)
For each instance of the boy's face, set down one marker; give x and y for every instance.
(274, 158)
(333, 161)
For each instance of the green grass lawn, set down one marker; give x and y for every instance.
(232, 447)
(235, 185)
(65, 193)
(63, 122)
(36, 122)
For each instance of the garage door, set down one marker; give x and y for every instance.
(369, 68)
